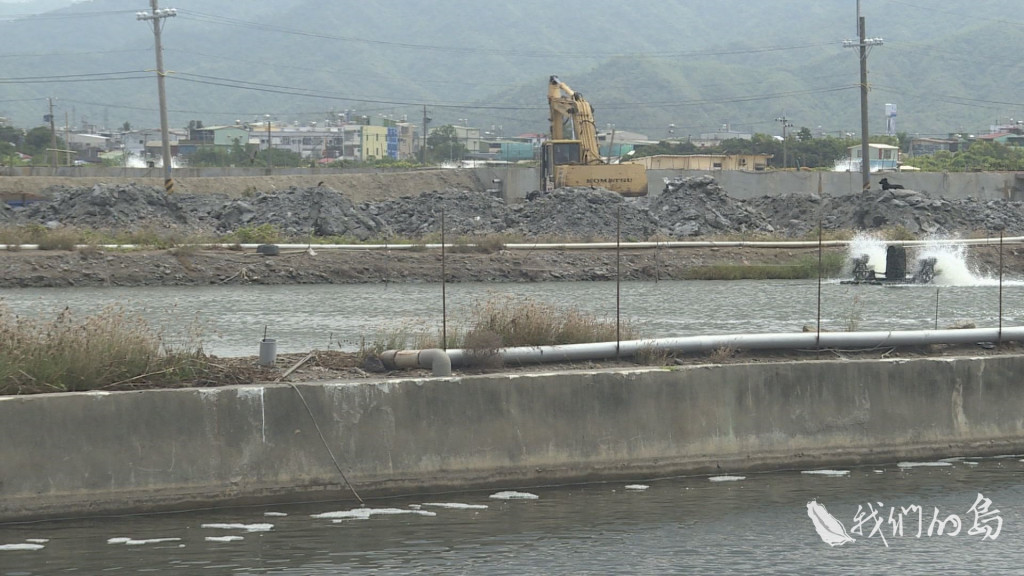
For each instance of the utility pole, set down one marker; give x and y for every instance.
(157, 15)
(270, 158)
(863, 43)
(785, 124)
(67, 138)
(53, 138)
(423, 137)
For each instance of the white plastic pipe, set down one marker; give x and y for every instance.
(776, 341)
(566, 245)
(435, 359)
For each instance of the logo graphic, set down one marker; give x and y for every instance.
(831, 530)
(980, 520)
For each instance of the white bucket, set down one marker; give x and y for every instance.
(268, 352)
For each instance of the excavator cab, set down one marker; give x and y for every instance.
(557, 153)
(565, 152)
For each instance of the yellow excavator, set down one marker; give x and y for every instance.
(576, 160)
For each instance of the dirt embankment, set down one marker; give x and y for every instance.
(359, 187)
(187, 267)
(688, 209)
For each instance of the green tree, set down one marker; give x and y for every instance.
(37, 141)
(443, 145)
(979, 156)
(804, 150)
(280, 157)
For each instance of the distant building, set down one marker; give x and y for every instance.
(716, 138)
(881, 157)
(88, 147)
(928, 146)
(750, 162)
(1007, 138)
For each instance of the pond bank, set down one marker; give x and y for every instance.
(98, 453)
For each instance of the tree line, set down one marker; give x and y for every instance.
(800, 150)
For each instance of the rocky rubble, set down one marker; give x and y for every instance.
(585, 214)
(688, 207)
(700, 207)
(117, 207)
(464, 213)
(316, 211)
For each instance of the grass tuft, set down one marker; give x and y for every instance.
(71, 353)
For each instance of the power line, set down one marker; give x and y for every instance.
(476, 50)
(293, 91)
(99, 75)
(66, 80)
(64, 54)
(61, 15)
(966, 14)
(945, 97)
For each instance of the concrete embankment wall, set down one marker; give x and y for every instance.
(90, 453)
(949, 185)
(513, 183)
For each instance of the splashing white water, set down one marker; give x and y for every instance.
(952, 261)
(870, 246)
(951, 266)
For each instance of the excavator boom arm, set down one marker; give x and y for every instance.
(568, 105)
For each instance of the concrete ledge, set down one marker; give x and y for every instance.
(90, 453)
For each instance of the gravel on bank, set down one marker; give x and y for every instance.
(687, 208)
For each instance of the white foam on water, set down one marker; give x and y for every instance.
(951, 265)
(456, 505)
(224, 538)
(134, 542)
(636, 486)
(37, 540)
(366, 513)
(246, 527)
(923, 464)
(727, 478)
(879, 471)
(827, 472)
(512, 495)
(274, 514)
(14, 547)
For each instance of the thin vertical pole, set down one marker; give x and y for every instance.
(657, 261)
(936, 308)
(162, 94)
(387, 264)
(618, 277)
(865, 156)
(1000, 286)
(53, 140)
(817, 338)
(444, 297)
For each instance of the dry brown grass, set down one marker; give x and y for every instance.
(522, 321)
(74, 353)
(502, 322)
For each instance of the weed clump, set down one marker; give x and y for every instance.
(71, 353)
(503, 322)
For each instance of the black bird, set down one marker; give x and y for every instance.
(886, 186)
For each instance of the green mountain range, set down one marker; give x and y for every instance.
(670, 68)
